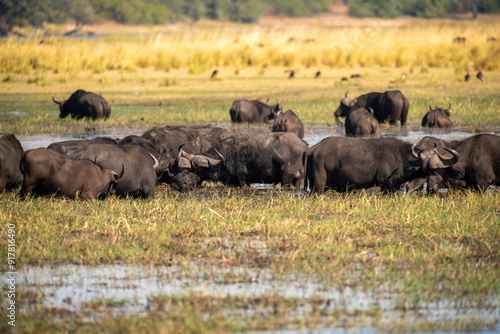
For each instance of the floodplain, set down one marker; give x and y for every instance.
(262, 258)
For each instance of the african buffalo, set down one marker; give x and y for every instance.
(343, 163)
(263, 158)
(68, 147)
(164, 160)
(193, 139)
(472, 162)
(289, 122)
(11, 153)
(140, 176)
(245, 111)
(390, 105)
(47, 172)
(196, 139)
(359, 122)
(437, 117)
(83, 104)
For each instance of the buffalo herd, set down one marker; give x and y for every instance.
(186, 156)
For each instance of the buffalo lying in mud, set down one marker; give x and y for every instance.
(245, 111)
(342, 164)
(11, 153)
(472, 162)
(47, 172)
(390, 105)
(289, 122)
(359, 122)
(437, 117)
(241, 160)
(82, 104)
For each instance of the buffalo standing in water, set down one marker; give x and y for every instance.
(82, 104)
(437, 117)
(391, 105)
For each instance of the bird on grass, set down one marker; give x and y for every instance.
(480, 75)
(318, 74)
(214, 74)
(467, 77)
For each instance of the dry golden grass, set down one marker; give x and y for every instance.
(197, 48)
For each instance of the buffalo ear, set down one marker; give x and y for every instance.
(353, 103)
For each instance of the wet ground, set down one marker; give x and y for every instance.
(132, 288)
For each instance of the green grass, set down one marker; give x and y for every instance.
(423, 249)
(141, 99)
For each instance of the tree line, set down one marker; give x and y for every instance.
(84, 12)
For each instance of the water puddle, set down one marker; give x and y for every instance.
(130, 289)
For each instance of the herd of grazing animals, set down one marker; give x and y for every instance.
(185, 156)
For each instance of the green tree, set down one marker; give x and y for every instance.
(25, 13)
(82, 12)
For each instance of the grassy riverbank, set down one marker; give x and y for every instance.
(424, 250)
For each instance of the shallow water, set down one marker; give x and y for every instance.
(133, 287)
(313, 134)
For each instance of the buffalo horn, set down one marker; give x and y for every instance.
(299, 114)
(438, 161)
(201, 160)
(346, 94)
(371, 110)
(449, 106)
(182, 162)
(118, 176)
(221, 157)
(430, 106)
(53, 99)
(156, 163)
(415, 154)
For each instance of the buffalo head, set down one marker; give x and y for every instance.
(63, 111)
(344, 108)
(435, 159)
(445, 111)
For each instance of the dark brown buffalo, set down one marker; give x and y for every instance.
(11, 153)
(68, 147)
(472, 162)
(289, 122)
(254, 111)
(82, 104)
(360, 122)
(192, 139)
(391, 105)
(47, 172)
(140, 176)
(343, 163)
(263, 158)
(437, 117)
